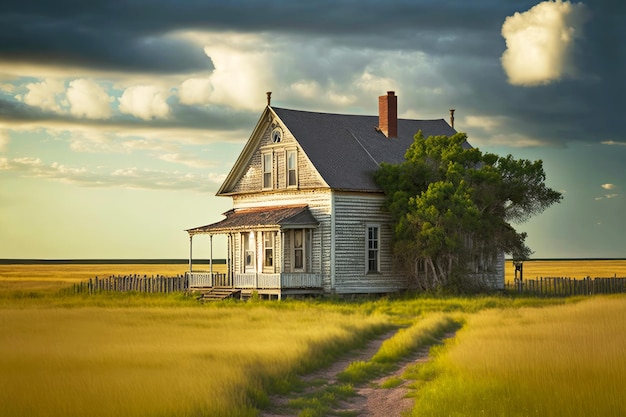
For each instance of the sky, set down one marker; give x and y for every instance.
(119, 120)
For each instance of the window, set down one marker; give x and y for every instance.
(268, 249)
(277, 135)
(267, 170)
(247, 245)
(292, 173)
(373, 251)
(298, 249)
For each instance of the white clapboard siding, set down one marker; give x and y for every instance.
(353, 213)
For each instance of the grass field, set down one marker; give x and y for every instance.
(121, 354)
(555, 361)
(570, 268)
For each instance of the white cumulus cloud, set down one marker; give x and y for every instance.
(44, 94)
(540, 42)
(145, 102)
(195, 91)
(88, 99)
(608, 186)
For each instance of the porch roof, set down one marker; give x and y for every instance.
(282, 217)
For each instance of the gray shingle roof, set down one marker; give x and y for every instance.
(347, 149)
(283, 217)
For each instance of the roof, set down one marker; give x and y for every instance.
(283, 217)
(347, 149)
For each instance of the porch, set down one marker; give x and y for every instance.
(269, 252)
(278, 284)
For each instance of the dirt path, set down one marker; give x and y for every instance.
(371, 400)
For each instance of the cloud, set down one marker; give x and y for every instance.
(195, 91)
(44, 94)
(145, 102)
(133, 178)
(88, 99)
(608, 186)
(540, 42)
(613, 143)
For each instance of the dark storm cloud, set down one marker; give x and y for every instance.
(462, 36)
(118, 34)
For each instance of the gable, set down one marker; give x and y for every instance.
(271, 139)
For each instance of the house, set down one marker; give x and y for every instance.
(306, 216)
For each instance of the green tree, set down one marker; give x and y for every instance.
(453, 205)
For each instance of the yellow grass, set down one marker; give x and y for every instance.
(185, 361)
(556, 361)
(569, 268)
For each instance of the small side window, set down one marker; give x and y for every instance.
(372, 248)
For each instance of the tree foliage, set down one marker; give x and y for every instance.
(452, 204)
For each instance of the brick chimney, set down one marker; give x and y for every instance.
(388, 114)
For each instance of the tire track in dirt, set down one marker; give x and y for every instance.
(371, 400)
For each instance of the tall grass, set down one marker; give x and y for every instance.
(557, 361)
(159, 361)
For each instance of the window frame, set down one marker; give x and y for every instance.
(248, 248)
(302, 249)
(369, 251)
(276, 133)
(294, 169)
(271, 248)
(267, 169)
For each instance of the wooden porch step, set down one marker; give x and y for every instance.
(217, 294)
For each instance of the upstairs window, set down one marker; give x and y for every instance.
(292, 168)
(267, 170)
(277, 135)
(373, 248)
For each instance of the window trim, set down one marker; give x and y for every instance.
(265, 170)
(293, 152)
(276, 133)
(368, 250)
(303, 249)
(272, 247)
(250, 248)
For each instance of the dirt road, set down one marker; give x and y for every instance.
(371, 400)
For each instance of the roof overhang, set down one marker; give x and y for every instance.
(275, 217)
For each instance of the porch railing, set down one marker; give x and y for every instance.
(256, 280)
(206, 279)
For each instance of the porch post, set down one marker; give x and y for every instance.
(229, 258)
(211, 258)
(282, 251)
(190, 251)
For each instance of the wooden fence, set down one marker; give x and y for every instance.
(139, 283)
(569, 286)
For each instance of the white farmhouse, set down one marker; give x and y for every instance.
(306, 214)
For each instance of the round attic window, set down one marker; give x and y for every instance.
(277, 135)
